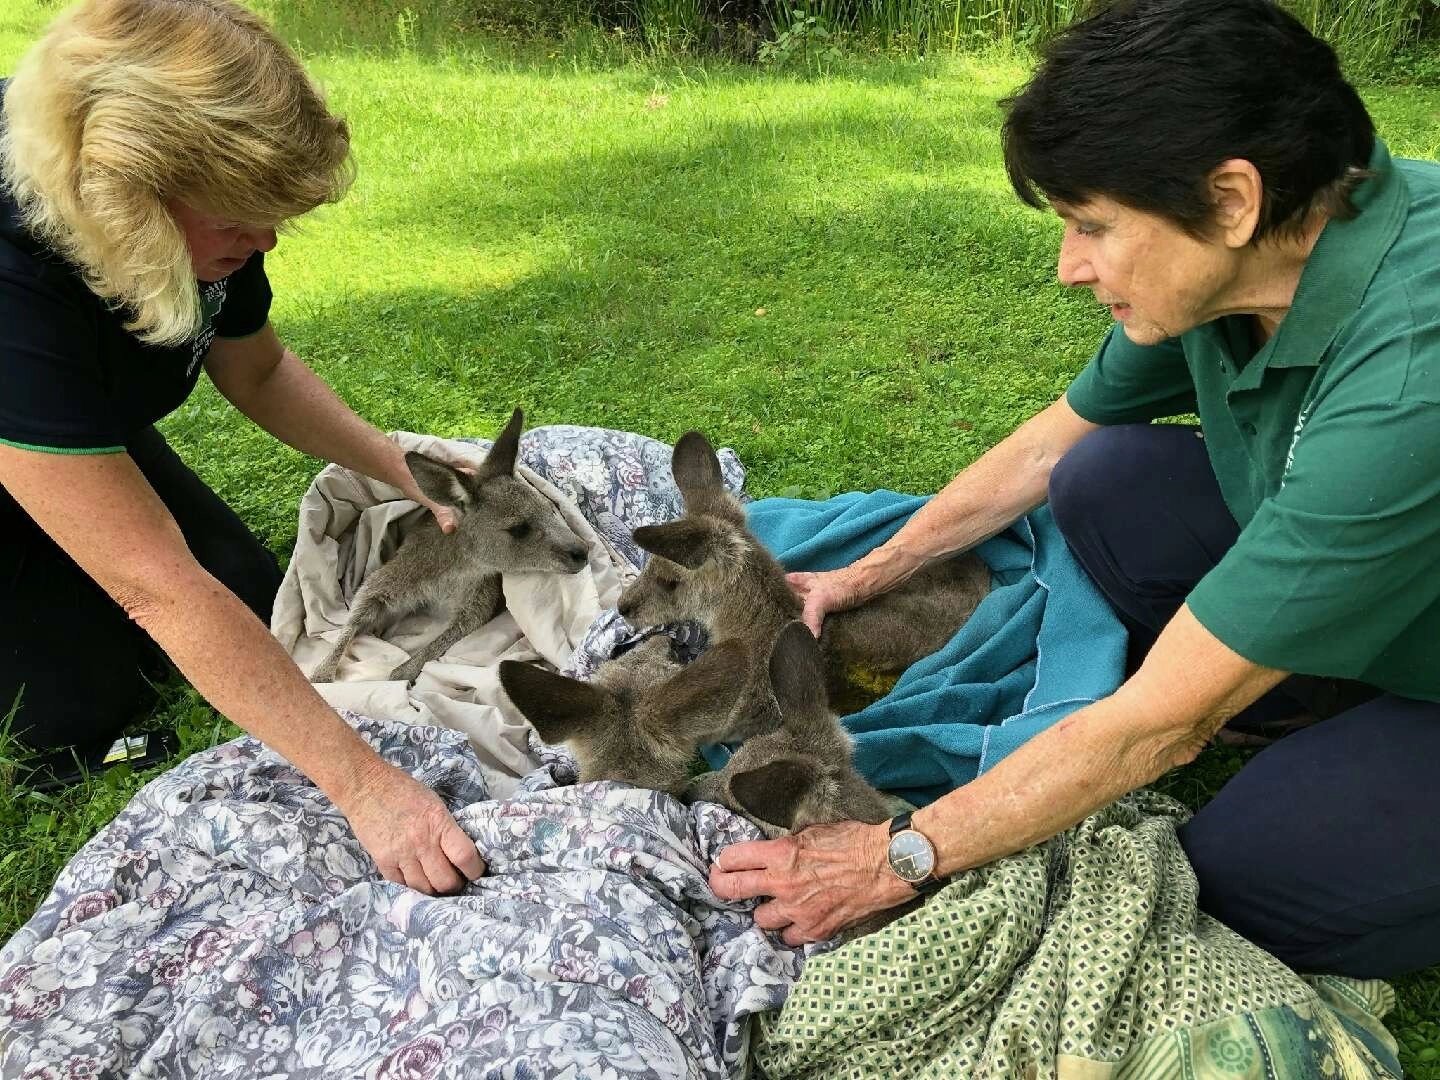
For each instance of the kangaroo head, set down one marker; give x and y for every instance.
(642, 719)
(802, 773)
(704, 561)
(502, 519)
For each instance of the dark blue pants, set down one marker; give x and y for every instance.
(83, 666)
(1325, 848)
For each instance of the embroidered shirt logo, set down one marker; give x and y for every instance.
(212, 299)
(1290, 454)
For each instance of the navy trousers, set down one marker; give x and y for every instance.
(1325, 848)
(79, 667)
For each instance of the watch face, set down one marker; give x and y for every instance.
(911, 856)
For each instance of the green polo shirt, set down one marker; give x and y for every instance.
(1326, 444)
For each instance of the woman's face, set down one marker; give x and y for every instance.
(218, 247)
(1156, 279)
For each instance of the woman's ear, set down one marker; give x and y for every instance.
(1237, 192)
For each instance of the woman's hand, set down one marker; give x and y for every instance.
(820, 880)
(822, 593)
(409, 833)
(445, 516)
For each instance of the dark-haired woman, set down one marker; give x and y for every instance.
(1272, 268)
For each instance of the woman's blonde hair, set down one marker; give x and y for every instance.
(125, 104)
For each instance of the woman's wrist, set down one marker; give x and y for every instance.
(931, 822)
(879, 571)
(395, 471)
(343, 768)
(890, 889)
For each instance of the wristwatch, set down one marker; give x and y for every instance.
(911, 856)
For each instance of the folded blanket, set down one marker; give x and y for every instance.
(1042, 644)
(227, 924)
(604, 483)
(1083, 958)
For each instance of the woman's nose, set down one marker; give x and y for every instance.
(261, 239)
(1073, 266)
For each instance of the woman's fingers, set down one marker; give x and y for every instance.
(414, 877)
(741, 885)
(462, 853)
(411, 835)
(445, 517)
(769, 917)
(813, 616)
(752, 854)
(440, 872)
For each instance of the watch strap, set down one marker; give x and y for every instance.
(900, 822)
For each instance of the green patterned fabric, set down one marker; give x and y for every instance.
(1083, 958)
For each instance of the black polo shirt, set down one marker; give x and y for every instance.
(73, 380)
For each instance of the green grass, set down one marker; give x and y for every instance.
(592, 234)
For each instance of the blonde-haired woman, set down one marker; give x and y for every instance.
(150, 149)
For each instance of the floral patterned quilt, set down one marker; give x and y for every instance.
(228, 924)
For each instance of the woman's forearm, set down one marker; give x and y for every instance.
(241, 670)
(298, 408)
(1162, 717)
(1054, 781)
(1010, 479)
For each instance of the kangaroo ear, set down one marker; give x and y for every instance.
(797, 670)
(695, 466)
(775, 792)
(501, 459)
(559, 707)
(702, 695)
(697, 474)
(438, 481)
(689, 543)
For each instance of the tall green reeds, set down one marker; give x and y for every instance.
(1368, 36)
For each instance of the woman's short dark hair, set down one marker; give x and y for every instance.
(1140, 101)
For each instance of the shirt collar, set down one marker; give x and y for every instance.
(1339, 270)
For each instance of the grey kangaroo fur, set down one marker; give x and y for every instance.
(802, 773)
(504, 525)
(644, 716)
(708, 567)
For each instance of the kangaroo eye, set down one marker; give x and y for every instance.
(668, 584)
(519, 530)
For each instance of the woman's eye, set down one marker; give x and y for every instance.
(519, 530)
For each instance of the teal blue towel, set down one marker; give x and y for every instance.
(1042, 644)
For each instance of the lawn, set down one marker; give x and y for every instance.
(823, 270)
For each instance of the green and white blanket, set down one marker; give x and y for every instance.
(1084, 958)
